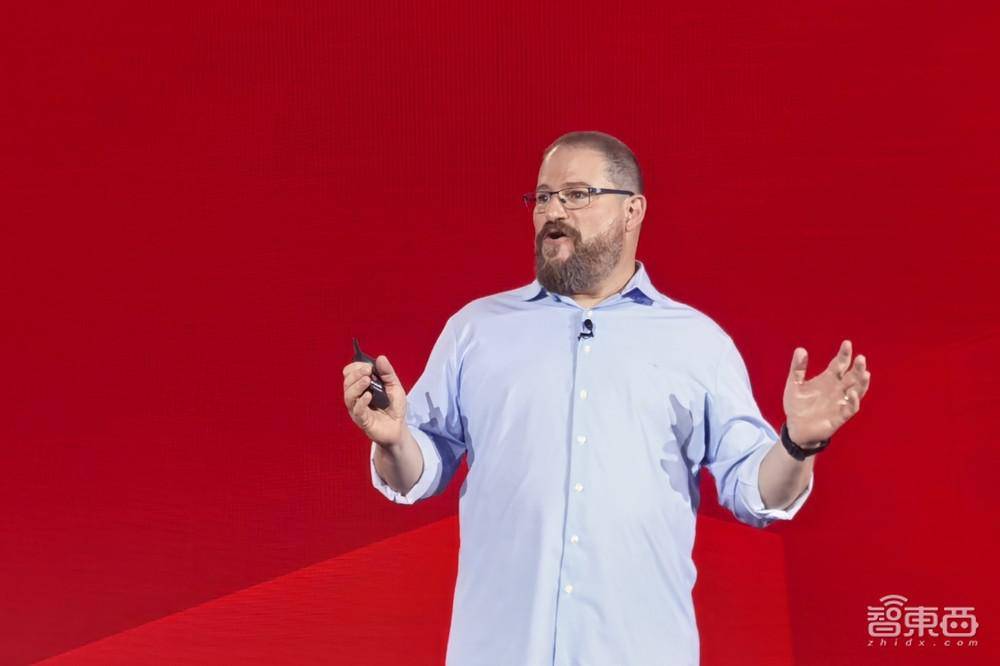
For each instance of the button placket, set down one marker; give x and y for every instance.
(572, 574)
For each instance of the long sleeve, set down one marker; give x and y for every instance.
(435, 420)
(737, 439)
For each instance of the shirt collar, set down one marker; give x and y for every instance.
(638, 288)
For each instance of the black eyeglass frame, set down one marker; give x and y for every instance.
(530, 202)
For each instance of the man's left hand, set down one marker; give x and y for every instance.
(816, 408)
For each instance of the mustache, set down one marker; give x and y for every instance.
(565, 230)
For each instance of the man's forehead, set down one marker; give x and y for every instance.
(567, 166)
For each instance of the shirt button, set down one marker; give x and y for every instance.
(574, 539)
(586, 349)
(578, 487)
(582, 439)
(583, 394)
(569, 589)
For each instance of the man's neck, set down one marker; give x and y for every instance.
(613, 284)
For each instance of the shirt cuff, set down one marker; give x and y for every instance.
(749, 493)
(429, 478)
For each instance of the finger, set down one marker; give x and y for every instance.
(800, 359)
(853, 402)
(354, 391)
(859, 366)
(857, 371)
(357, 366)
(386, 371)
(863, 385)
(842, 361)
(360, 412)
(352, 377)
(859, 376)
(849, 404)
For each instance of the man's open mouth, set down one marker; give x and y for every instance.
(555, 234)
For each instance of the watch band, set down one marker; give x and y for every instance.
(797, 451)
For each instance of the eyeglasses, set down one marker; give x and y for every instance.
(570, 197)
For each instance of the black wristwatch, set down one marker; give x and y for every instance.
(797, 451)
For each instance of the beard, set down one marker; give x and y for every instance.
(588, 263)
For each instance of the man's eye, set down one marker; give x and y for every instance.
(542, 197)
(578, 195)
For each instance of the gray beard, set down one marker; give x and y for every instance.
(587, 266)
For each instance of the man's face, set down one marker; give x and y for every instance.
(593, 238)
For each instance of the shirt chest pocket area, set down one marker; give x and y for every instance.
(662, 404)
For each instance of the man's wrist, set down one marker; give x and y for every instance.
(800, 451)
(396, 444)
(800, 441)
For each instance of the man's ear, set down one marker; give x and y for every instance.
(636, 210)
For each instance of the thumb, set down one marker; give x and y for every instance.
(800, 358)
(385, 371)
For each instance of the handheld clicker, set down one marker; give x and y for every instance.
(380, 399)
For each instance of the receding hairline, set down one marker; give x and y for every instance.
(621, 165)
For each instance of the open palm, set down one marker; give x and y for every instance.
(816, 408)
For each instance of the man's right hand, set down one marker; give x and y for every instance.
(385, 427)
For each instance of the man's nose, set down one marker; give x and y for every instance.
(554, 209)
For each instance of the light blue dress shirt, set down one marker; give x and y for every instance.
(577, 517)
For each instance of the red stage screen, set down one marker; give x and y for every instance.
(203, 202)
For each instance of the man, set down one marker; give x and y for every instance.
(586, 404)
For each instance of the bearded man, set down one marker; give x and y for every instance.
(586, 404)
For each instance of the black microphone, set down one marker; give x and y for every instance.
(589, 330)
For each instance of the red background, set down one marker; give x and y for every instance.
(203, 202)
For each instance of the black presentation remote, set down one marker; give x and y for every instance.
(380, 399)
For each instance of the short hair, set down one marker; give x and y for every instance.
(622, 166)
